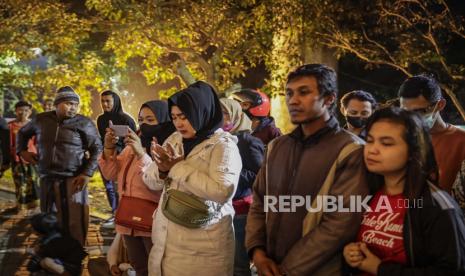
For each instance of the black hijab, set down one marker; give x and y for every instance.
(161, 131)
(201, 106)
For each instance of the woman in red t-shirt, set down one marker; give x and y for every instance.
(412, 227)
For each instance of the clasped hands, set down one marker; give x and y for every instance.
(358, 255)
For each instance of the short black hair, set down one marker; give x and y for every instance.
(325, 76)
(360, 95)
(107, 93)
(421, 85)
(22, 103)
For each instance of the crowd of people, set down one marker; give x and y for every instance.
(190, 186)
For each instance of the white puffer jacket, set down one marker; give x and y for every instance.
(211, 172)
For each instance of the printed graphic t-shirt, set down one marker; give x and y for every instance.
(382, 230)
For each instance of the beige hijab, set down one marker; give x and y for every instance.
(239, 119)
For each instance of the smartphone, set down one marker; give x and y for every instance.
(120, 130)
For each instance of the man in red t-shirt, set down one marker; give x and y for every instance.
(422, 94)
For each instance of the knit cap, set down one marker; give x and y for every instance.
(66, 93)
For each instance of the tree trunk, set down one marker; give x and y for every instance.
(233, 88)
(2, 102)
(455, 101)
(322, 55)
(184, 73)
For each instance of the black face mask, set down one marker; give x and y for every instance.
(147, 133)
(149, 130)
(356, 122)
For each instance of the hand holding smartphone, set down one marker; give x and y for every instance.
(119, 130)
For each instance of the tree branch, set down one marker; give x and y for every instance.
(455, 29)
(429, 36)
(184, 73)
(346, 45)
(391, 58)
(454, 99)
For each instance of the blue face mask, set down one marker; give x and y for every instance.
(430, 118)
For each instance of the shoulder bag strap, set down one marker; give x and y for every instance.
(126, 170)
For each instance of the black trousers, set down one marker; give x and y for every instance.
(71, 209)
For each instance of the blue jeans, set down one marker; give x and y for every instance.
(241, 259)
(112, 193)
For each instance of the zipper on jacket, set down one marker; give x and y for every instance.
(296, 162)
(412, 258)
(54, 144)
(187, 203)
(300, 149)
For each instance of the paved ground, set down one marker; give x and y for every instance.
(16, 236)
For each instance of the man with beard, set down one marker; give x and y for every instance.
(297, 165)
(112, 111)
(63, 137)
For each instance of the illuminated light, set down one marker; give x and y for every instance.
(280, 113)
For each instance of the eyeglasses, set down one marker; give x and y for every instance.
(425, 110)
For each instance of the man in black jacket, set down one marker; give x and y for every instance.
(112, 111)
(63, 137)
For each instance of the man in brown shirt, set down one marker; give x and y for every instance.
(297, 165)
(422, 94)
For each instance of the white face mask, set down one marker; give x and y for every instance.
(430, 118)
